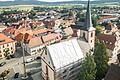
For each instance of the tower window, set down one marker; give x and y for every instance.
(91, 41)
(83, 35)
(91, 34)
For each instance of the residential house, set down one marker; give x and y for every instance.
(34, 43)
(112, 43)
(52, 23)
(107, 19)
(2, 27)
(110, 28)
(42, 32)
(68, 32)
(114, 70)
(12, 32)
(7, 46)
(67, 22)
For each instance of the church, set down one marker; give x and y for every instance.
(61, 61)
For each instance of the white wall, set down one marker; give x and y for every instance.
(46, 61)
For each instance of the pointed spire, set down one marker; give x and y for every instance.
(88, 20)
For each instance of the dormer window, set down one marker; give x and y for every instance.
(106, 41)
(110, 42)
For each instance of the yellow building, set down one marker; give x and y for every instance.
(7, 46)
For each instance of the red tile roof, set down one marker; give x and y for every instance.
(68, 31)
(109, 40)
(106, 17)
(53, 36)
(42, 31)
(113, 73)
(36, 41)
(5, 39)
(27, 37)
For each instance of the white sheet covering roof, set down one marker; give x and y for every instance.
(64, 53)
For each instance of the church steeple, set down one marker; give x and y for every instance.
(88, 32)
(88, 20)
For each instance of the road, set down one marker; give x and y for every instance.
(17, 63)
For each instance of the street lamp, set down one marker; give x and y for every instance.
(24, 67)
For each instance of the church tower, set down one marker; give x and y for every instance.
(88, 32)
(89, 26)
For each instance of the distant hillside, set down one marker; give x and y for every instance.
(35, 2)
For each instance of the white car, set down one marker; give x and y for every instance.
(29, 60)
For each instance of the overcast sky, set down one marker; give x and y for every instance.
(49, 0)
(6, 0)
(61, 0)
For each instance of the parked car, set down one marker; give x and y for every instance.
(16, 75)
(38, 57)
(2, 64)
(12, 56)
(8, 57)
(29, 60)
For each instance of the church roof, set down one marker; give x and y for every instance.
(88, 20)
(65, 53)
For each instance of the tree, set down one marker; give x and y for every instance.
(95, 18)
(99, 29)
(80, 17)
(71, 14)
(88, 69)
(101, 59)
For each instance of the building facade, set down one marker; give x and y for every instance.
(7, 46)
(61, 61)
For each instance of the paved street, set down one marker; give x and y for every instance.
(16, 64)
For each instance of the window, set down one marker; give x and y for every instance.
(64, 76)
(49, 62)
(11, 51)
(7, 45)
(91, 34)
(110, 42)
(0, 55)
(0, 51)
(83, 35)
(106, 42)
(64, 71)
(47, 73)
(91, 41)
(72, 68)
(39, 50)
(44, 57)
(34, 51)
(45, 53)
(3, 46)
(11, 48)
(57, 37)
